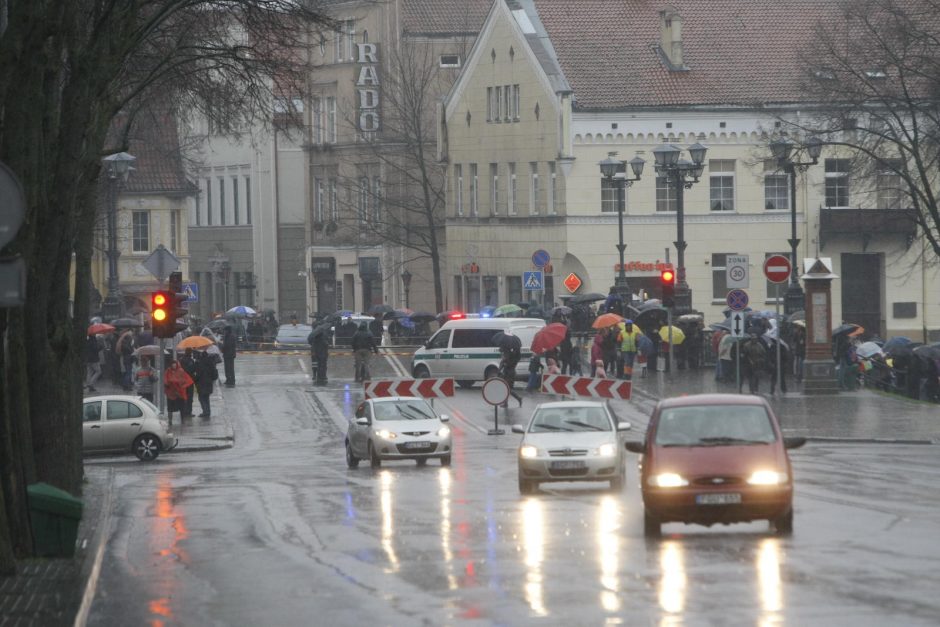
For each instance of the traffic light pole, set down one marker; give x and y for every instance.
(161, 369)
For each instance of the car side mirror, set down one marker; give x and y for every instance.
(445, 418)
(362, 421)
(623, 426)
(793, 442)
(635, 447)
(518, 429)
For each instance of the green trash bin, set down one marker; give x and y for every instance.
(54, 515)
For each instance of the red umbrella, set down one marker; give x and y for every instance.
(99, 328)
(549, 337)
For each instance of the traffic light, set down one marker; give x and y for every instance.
(160, 313)
(167, 306)
(667, 279)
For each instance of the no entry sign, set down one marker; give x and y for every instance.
(777, 269)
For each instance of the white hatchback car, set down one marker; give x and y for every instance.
(397, 427)
(571, 441)
(125, 424)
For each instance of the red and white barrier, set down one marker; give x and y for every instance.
(425, 388)
(586, 386)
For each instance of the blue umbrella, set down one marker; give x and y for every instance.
(241, 310)
(895, 343)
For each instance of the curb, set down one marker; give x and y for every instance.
(842, 440)
(90, 573)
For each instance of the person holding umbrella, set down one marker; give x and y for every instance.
(319, 352)
(188, 362)
(510, 347)
(206, 376)
(92, 362)
(229, 344)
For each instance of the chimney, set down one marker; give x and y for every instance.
(671, 38)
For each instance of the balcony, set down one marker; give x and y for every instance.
(866, 224)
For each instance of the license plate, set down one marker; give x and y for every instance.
(731, 498)
(417, 444)
(567, 465)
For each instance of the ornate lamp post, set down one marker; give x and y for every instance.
(406, 283)
(682, 174)
(783, 151)
(117, 166)
(615, 171)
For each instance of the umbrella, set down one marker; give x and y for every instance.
(797, 315)
(219, 325)
(650, 318)
(150, 350)
(99, 328)
(652, 302)
(194, 341)
(800, 323)
(678, 337)
(507, 341)
(928, 351)
(851, 329)
(379, 309)
(724, 325)
(506, 311)
(895, 343)
(548, 337)
(408, 323)
(868, 349)
(126, 323)
(395, 313)
(690, 318)
(422, 316)
(606, 320)
(561, 311)
(241, 311)
(586, 298)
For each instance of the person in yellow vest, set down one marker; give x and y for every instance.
(627, 335)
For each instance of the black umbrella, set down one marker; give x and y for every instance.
(844, 328)
(126, 323)
(422, 316)
(379, 309)
(590, 297)
(398, 313)
(929, 351)
(797, 315)
(507, 342)
(561, 311)
(650, 318)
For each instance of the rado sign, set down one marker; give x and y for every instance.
(368, 86)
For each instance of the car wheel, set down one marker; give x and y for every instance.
(465, 383)
(374, 459)
(651, 527)
(616, 484)
(422, 461)
(445, 461)
(526, 486)
(422, 372)
(491, 373)
(351, 460)
(147, 447)
(784, 524)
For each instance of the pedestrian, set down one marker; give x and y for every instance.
(188, 362)
(565, 350)
(319, 353)
(125, 351)
(229, 344)
(510, 348)
(574, 367)
(628, 336)
(206, 376)
(552, 366)
(363, 345)
(600, 372)
(144, 378)
(799, 350)
(597, 348)
(92, 362)
(535, 373)
(175, 382)
(609, 347)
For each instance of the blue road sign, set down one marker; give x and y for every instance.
(192, 292)
(737, 300)
(540, 258)
(532, 280)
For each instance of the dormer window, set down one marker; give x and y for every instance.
(824, 74)
(670, 44)
(876, 73)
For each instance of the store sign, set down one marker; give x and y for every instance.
(572, 282)
(641, 266)
(368, 87)
(323, 265)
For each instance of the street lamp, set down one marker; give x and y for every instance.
(681, 173)
(615, 171)
(783, 151)
(117, 166)
(406, 283)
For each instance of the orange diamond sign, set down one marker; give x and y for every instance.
(572, 282)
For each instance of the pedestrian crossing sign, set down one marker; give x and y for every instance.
(532, 280)
(192, 292)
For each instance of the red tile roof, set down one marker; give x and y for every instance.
(154, 140)
(738, 52)
(443, 17)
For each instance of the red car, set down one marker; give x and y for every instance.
(715, 458)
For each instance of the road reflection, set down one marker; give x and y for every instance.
(388, 527)
(443, 480)
(608, 552)
(672, 583)
(168, 532)
(533, 539)
(768, 577)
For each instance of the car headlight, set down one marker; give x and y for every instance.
(528, 451)
(385, 434)
(667, 480)
(767, 477)
(607, 450)
(443, 432)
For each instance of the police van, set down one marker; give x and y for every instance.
(466, 350)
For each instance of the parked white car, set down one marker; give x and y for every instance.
(397, 427)
(125, 424)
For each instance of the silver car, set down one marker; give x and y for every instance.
(125, 424)
(571, 441)
(397, 427)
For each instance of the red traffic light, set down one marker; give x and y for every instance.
(667, 276)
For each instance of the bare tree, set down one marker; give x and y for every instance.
(875, 72)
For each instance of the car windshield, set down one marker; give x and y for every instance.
(714, 425)
(570, 419)
(403, 410)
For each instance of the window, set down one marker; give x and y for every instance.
(507, 114)
(491, 290)
(119, 410)
(776, 187)
(334, 201)
(344, 42)
(665, 194)
(511, 199)
(720, 276)
(474, 189)
(514, 288)
(174, 231)
(317, 121)
(235, 199)
(489, 104)
(440, 340)
(199, 208)
(458, 188)
(515, 102)
(221, 200)
(458, 291)
(776, 291)
(889, 185)
(473, 338)
(331, 120)
(209, 202)
(376, 200)
(91, 412)
(497, 101)
(141, 232)
(494, 188)
(350, 40)
(721, 174)
(363, 199)
(837, 182)
(534, 188)
(318, 193)
(247, 200)
(608, 195)
(450, 60)
(552, 188)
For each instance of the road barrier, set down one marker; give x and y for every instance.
(586, 386)
(425, 388)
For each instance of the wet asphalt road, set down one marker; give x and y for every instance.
(277, 531)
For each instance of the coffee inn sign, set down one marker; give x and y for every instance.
(367, 84)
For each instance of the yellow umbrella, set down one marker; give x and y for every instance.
(194, 341)
(678, 337)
